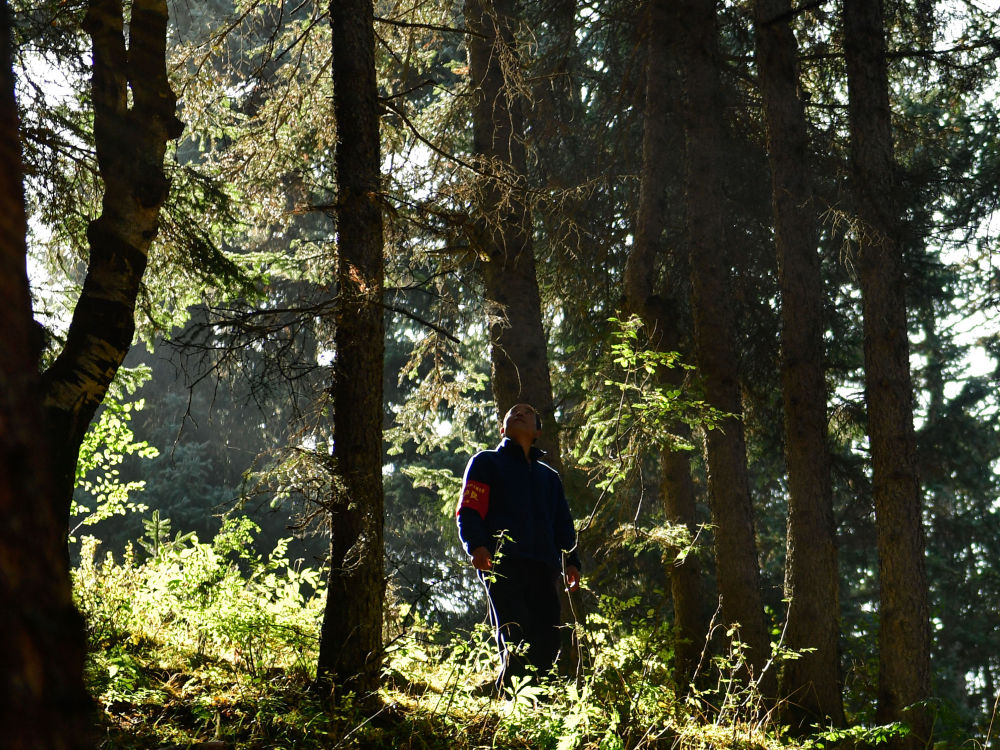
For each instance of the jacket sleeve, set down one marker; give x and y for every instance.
(473, 504)
(565, 532)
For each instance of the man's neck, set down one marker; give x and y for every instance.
(525, 446)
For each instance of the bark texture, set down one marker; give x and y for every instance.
(518, 344)
(130, 144)
(661, 321)
(904, 630)
(712, 307)
(351, 637)
(810, 684)
(43, 703)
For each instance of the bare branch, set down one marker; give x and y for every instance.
(428, 26)
(422, 321)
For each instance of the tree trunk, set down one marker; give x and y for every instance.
(657, 313)
(728, 485)
(904, 631)
(351, 638)
(518, 344)
(811, 684)
(557, 112)
(130, 144)
(43, 702)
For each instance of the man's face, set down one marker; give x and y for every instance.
(520, 420)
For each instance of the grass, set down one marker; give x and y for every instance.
(152, 694)
(209, 643)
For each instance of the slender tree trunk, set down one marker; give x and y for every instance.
(904, 631)
(811, 683)
(351, 638)
(659, 317)
(686, 581)
(43, 703)
(518, 344)
(728, 485)
(130, 142)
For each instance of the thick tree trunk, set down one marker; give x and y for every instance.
(657, 313)
(728, 485)
(518, 344)
(811, 683)
(130, 144)
(43, 702)
(351, 638)
(904, 630)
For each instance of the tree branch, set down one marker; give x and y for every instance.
(428, 26)
(423, 322)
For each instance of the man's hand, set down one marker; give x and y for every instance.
(572, 578)
(481, 559)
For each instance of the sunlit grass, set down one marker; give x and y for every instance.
(206, 643)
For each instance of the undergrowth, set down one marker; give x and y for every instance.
(207, 642)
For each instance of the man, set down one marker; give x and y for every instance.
(515, 524)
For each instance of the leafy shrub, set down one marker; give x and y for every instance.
(100, 492)
(210, 641)
(215, 600)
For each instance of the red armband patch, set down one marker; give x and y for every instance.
(475, 495)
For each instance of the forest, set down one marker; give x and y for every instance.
(272, 272)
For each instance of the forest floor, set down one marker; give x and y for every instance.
(151, 699)
(212, 646)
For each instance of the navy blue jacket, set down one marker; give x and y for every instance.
(502, 491)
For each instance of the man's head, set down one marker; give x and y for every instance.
(521, 421)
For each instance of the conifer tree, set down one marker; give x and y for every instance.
(810, 683)
(658, 309)
(737, 566)
(351, 636)
(503, 222)
(904, 628)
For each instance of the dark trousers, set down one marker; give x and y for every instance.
(524, 609)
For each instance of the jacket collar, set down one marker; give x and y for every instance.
(509, 446)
